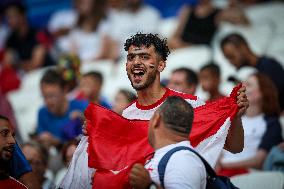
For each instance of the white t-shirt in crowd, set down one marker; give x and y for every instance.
(254, 129)
(184, 170)
(126, 23)
(86, 44)
(66, 18)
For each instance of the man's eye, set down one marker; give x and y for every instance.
(130, 58)
(145, 57)
(4, 133)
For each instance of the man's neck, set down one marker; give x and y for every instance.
(150, 95)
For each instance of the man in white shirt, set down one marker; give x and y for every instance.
(146, 59)
(170, 127)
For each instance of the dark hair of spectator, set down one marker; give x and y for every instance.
(65, 147)
(270, 102)
(177, 114)
(147, 40)
(18, 6)
(95, 75)
(191, 77)
(41, 150)
(98, 8)
(213, 68)
(53, 77)
(235, 39)
(128, 94)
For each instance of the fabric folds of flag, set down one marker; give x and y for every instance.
(116, 143)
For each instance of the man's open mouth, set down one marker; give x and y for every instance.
(138, 73)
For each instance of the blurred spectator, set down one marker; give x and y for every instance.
(122, 99)
(89, 39)
(239, 54)
(67, 152)
(183, 80)
(37, 155)
(59, 119)
(197, 24)
(262, 129)
(90, 88)
(24, 50)
(129, 17)
(62, 21)
(209, 78)
(7, 146)
(169, 8)
(15, 166)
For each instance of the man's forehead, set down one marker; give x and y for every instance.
(141, 48)
(4, 124)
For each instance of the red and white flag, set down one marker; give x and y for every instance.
(116, 143)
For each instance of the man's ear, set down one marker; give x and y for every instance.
(161, 66)
(156, 119)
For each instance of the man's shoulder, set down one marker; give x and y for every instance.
(193, 100)
(78, 104)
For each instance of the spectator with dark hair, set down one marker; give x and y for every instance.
(67, 152)
(24, 48)
(13, 164)
(7, 146)
(210, 78)
(60, 119)
(183, 80)
(169, 128)
(262, 128)
(146, 59)
(90, 87)
(37, 156)
(237, 51)
(122, 99)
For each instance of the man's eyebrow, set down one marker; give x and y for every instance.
(141, 53)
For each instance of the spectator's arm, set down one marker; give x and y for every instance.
(175, 41)
(254, 162)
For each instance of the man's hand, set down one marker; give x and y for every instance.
(242, 101)
(139, 177)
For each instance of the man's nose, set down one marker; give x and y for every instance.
(11, 140)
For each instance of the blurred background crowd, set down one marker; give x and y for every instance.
(57, 56)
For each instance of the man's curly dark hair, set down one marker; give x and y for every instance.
(141, 39)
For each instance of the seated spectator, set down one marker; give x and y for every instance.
(24, 49)
(170, 127)
(89, 39)
(10, 170)
(183, 80)
(262, 129)
(59, 119)
(209, 78)
(62, 21)
(197, 24)
(90, 86)
(37, 155)
(130, 17)
(122, 99)
(237, 51)
(67, 152)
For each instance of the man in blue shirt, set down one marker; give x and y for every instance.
(59, 119)
(237, 51)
